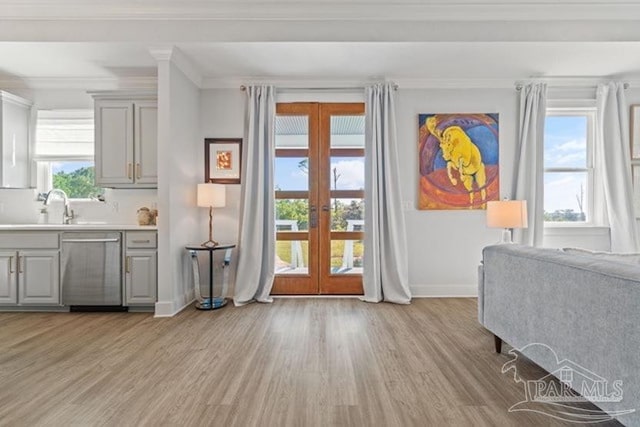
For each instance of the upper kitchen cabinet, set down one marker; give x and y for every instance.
(126, 134)
(15, 114)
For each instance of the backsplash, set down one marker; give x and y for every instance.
(19, 206)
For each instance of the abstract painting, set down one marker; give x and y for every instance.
(458, 157)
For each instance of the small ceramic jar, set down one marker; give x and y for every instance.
(144, 216)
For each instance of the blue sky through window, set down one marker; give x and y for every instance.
(290, 177)
(69, 166)
(565, 146)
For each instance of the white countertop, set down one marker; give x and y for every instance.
(75, 227)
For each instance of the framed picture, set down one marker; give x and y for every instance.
(635, 132)
(458, 159)
(222, 160)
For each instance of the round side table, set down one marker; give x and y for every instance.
(210, 303)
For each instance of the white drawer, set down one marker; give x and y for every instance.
(29, 240)
(142, 239)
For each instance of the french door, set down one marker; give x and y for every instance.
(319, 178)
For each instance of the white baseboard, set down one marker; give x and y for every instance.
(164, 309)
(170, 308)
(444, 291)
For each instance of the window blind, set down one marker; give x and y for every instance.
(64, 133)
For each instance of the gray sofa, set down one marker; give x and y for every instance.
(585, 308)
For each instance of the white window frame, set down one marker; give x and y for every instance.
(590, 192)
(42, 174)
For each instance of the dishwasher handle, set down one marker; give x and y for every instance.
(114, 240)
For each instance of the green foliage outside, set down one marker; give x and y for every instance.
(298, 210)
(79, 184)
(564, 215)
(283, 251)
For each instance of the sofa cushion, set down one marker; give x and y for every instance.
(629, 258)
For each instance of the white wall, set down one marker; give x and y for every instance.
(179, 154)
(20, 206)
(445, 247)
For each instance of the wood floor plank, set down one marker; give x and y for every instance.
(296, 362)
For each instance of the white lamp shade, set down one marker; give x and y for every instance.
(212, 195)
(507, 214)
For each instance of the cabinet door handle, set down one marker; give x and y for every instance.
(126, 264)
(138, 170)
(142, 241)
(19, 264)
(130, 170)
(11, 270)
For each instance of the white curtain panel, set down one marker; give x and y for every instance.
(256, 247)
(385, 263)
(529, 182)
(613, 157)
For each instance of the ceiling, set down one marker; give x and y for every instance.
(327, 60)
(229, 41)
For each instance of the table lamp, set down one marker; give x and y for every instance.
(211, 196)
(507, 214)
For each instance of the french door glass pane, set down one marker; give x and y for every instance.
(292, 214)
(347, 173)
(565, 196)
(292, 257)
(291, 174)
(347, 214)
(346, 256)
(347, 131)
(292, 131)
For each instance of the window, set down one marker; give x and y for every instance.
(568, 165)
(64, 156)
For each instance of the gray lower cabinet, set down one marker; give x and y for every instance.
(8, 277)
(141, 268)
(38, 277)
(30, 277)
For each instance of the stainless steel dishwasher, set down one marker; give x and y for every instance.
(91, 272)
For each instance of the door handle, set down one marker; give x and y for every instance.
(126, 264)
(11, 270)
(130, 170)
(19, 265)
(325, 208)
(138, 170)
(313, 216)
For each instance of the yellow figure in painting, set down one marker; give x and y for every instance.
(463, 155)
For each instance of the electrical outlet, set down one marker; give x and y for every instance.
(407, 205)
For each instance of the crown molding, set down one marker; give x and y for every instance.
(179, 59)
(83, 83)
(14, 99)
(403, 83)
(461, 10)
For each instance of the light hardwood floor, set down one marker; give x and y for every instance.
(296, 362)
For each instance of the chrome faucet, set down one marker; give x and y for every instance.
(67, 214)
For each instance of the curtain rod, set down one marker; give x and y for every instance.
(334, 89)
(519, 86)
